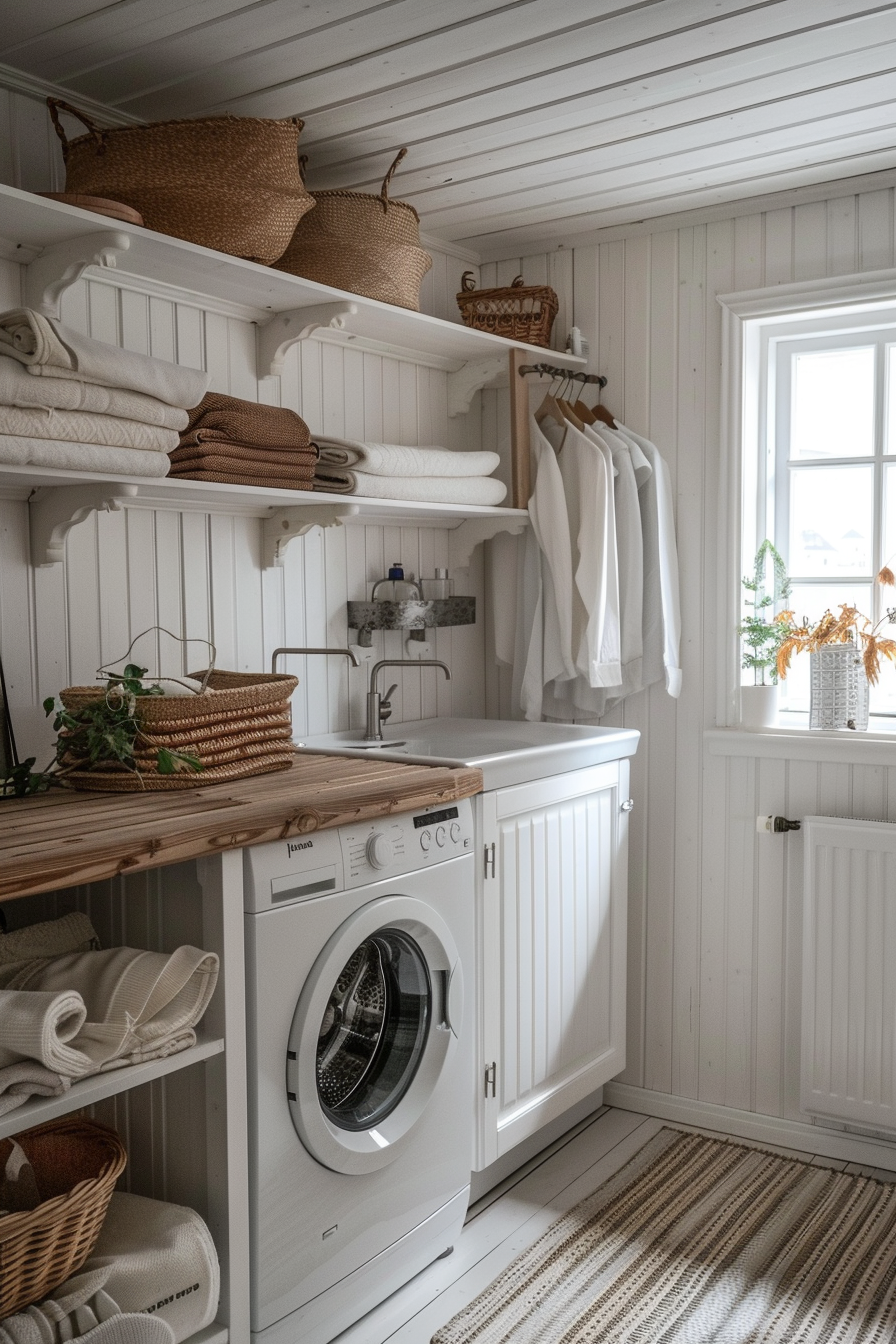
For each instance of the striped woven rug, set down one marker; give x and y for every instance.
(700, 1241)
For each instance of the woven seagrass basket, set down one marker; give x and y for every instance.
(519, 312)
(231, 183)
(239, 725)
(76, 1164)
(366, 244)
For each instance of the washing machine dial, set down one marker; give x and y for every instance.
(440, 836)
(380, 852)
(454, 832)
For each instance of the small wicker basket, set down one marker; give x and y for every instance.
(76, 1164)
(519, 312)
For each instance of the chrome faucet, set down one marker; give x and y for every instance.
(345, 653)
(377, 704)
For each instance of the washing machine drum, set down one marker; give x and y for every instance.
(372, 1031)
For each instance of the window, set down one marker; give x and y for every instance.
(811, 430)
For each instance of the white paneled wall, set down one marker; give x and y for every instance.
(714, 941)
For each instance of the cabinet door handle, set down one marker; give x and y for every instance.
(490, 859)
(491, 1071)
(627, 806)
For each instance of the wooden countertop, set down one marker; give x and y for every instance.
(63, 838)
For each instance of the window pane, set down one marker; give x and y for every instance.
(833, 404)
(890, 434)
(809, 603)
(831, 522)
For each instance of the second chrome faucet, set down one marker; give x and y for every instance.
(377, 703)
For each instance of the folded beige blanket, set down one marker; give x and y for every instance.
(18, 388)
(49, 348)
(27, 1079)
(93, 457)
(139, 1005)
(86, 427)
(230, 419)
(49, 938)
(38, 1025)
(392, 459)
(485, 490)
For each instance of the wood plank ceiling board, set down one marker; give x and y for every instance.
(527, 120)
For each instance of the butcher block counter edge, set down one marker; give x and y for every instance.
(64, 838)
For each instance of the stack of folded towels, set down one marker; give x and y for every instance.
(69, 1009)
(244, 443)
(71, 402)
(389, 471)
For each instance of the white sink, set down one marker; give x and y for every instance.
(505, 750)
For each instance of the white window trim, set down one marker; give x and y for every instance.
(741, 315)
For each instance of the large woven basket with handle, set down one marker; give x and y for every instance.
(76, 1164)
(231, 183)
(366, 244)
(519, 312)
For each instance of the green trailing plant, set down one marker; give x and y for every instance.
(106, 731)
(761, 631)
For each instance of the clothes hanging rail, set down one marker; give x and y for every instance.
(555, 372)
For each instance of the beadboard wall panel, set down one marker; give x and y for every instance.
(714, 908)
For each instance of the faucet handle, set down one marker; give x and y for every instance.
(386, 702)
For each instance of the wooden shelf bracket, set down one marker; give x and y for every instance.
(285, 329)
(463, 540)
(470, 378)
(284, 524)
(61, 265)
(55, 510)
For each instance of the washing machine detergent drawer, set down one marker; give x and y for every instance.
(360, 1122)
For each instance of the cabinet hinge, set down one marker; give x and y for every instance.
(490, 860)
(491, 1072)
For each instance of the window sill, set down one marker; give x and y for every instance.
(798, 742)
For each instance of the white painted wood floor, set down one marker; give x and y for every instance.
(516, 1212)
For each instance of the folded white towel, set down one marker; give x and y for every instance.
(48, 347)
(49, 938)
(92, 457)
(140, 1005)
(86, 427)
(392, 459)
(432, 489)
(37, 1025)
(18, 388)
(27, 1079)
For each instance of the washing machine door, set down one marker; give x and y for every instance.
(372, 1031)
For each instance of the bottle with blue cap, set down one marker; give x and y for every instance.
(395, 587)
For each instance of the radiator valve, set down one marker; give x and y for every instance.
(778, 825)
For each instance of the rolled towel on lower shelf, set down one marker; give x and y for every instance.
(392, 459)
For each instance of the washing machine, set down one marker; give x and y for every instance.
(360, 970)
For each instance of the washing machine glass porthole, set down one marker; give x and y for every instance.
(373, 1031)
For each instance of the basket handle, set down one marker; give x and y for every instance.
(181, 639)
(517, 283)
(303, 164)
(468, 282)
(384, 189)
(54, 104)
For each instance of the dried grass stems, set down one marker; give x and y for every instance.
(850, 626)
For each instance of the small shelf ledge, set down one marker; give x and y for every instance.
(55, 510)
(465, 382)
(286, 329)
(285, 524)
(463, 540)
(61, 265)
(101, 1085)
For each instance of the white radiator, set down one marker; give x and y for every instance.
(848, 1058)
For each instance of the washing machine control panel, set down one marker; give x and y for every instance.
(392, 845)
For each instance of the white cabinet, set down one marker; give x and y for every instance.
(551, 968)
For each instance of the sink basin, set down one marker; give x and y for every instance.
(505, 750)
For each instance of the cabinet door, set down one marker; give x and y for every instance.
(552, 949)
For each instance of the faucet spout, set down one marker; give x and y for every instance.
(374, 729)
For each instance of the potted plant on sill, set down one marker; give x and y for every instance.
(762, 634)
(846, 650)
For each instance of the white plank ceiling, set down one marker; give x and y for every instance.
(525, 121)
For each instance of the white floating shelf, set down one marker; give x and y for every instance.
(101, 1085)
(31, 225)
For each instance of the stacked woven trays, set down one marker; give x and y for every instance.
(239, 725)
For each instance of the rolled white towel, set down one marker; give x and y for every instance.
(27, 1079)
(112, 431)
(92, 457)
(482, 490)
(49, 348)
(18, 388)
(392, 459)
(39, 1025)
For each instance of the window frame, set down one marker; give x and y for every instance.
(749, 320)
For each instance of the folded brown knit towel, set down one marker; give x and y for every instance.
(248, 456)
(236, 478)
(243, 466)
(232, 419)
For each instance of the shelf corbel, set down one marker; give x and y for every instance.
(463, 540)
(285, 329)
(61, 265)
(56, 509)
(284, 524)
(470, 378)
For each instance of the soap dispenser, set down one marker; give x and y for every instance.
(395, 587)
